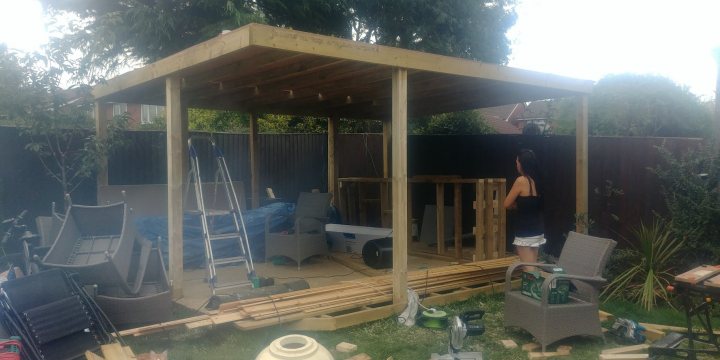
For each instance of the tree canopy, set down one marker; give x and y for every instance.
(55, 121)
(109, 34)
(638, 105)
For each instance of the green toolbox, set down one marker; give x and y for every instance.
(532, 281)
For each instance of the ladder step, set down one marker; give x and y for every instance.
(224, 236)
(232, 285)
(230, 260)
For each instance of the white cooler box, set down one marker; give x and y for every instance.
(351, 238)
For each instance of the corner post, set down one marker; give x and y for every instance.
(581, 164)
(176, 157)
(400, 187)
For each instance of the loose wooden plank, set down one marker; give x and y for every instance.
(113, 351)
(92, 356)
(604, 316)
(627, 349)
(623, 356)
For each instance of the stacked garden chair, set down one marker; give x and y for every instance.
(53, 315)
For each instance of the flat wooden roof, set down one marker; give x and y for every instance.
(264, 69)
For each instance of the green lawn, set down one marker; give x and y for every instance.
(385, 338)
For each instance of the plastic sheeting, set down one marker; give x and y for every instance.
(155, 229)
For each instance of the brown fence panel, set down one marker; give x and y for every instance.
(291, 163)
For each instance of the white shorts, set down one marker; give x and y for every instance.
(531, 241)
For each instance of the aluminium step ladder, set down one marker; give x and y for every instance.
(239, 233)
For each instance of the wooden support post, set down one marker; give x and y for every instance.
(440, 217)
(176, 155)
(384, 187)
(342, 201)
(581, 164)
(331, 163)
(362, 204)
(457, 203)
(352, 195)
(399, 189)
(502, 238)
(254, 163)
(101, 119)
(479, 220)
(489, 220)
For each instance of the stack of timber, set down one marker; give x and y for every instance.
(345, 296)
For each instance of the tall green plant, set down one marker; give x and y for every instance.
(648, 265)
(691, 188)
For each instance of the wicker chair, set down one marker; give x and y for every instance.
(307, 235)
(583, 258)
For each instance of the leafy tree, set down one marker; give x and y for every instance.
(110, 34)
(638, 105)
(57, 122)
(218, 121)
(468, 122)
(465, 28)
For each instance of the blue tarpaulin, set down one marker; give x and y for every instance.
(155, 229)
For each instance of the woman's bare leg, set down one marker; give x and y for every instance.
(528, 254)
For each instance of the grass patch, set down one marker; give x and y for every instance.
(384, 338)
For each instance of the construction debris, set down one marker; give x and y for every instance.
(508, 344)
(345, 347)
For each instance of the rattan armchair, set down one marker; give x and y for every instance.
(583, 258)
(306, 237)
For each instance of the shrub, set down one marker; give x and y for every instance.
(691, 189)
(647, 267)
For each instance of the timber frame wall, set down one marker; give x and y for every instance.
(490, 215)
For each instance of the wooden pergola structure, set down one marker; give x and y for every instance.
(264, 69)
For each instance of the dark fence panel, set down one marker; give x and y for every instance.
(291, 163)
(24, 183)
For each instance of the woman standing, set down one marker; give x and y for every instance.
(526, 197)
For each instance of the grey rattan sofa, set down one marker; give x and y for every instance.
(583, 258)
(307, 236)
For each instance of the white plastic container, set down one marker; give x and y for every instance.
(351, 238)
(295, 347)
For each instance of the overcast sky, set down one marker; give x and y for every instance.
(586, 39)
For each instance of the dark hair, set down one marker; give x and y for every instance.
(531, 168)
